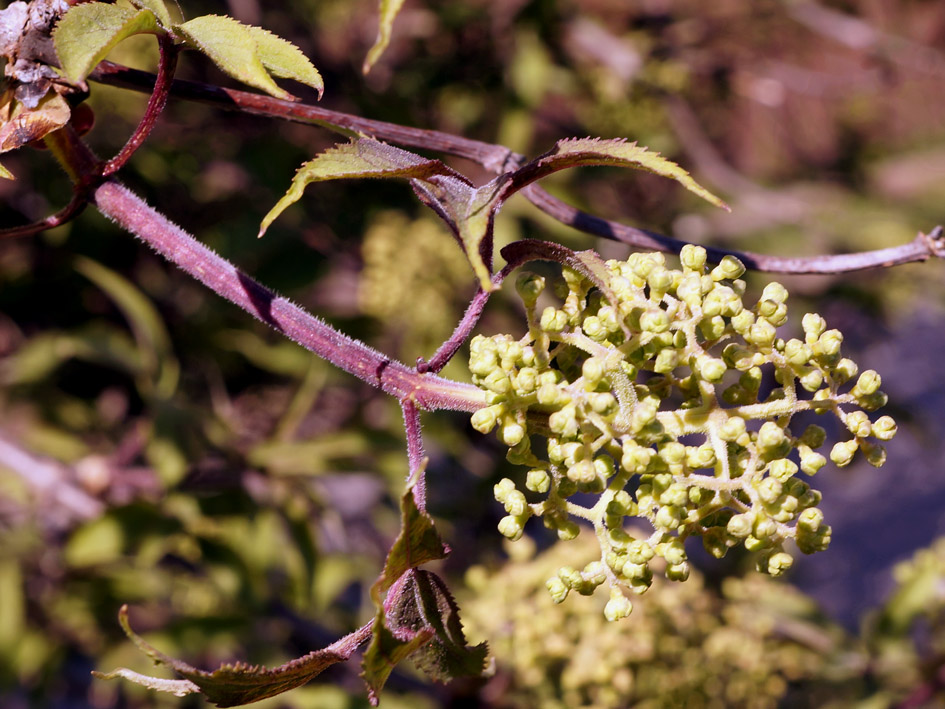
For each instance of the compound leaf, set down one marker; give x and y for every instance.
(358, 159)
(588, 152)
(284, 59)
(88, 32)
(388, 9)
(234, 685)
(232, 46)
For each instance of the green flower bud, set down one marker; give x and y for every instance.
(712, 328)
(668, 517)
(689, 290)
(732, 429)
(829, 344)
(618, 606)
(564, 422)
(568, 530)
(593, 371)
(873, 401)
(813, 436)
(701, 457)
(711, 369)
(511, 434)
(884, 428)
(640, 552)
(692, 257)
(738, 357)
(594, 573)
(769, 490)
(797, 353)
(868, 383)
(570, 576)
(810, 378)
(502, 489)
(603, 403)
(635, 457)
(775, 292)
(771, 437)
(764, 527)
(557, 589)
(715, 541)
(529, 287)
(762, 334)
(743, 322)
(811, 462)
(814, 326)
(515, 503)
(553, 320)
(774, 313)
(654, 320)
(549, 394)
(677, 572)
(810, 520)
(497, 381)
(594, 328)
(729, 268)
(526, 381)
(674, 552)
(753, 544)
(875, 453)
(842, 453)
(858, 423)
(782, 469)
(511, 527)
(739, 526)
(660, 280)
(778, 563)
(538, 480)
(618, 538)
(845, 370)
(484, 420)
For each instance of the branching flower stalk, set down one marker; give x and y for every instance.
(671, 402)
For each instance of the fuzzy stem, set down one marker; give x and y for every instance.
(428, 391)
(415, 452)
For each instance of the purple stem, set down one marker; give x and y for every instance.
(424, 390)
(415, 451)
(167, 64)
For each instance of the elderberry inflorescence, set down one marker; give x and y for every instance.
(651, 407)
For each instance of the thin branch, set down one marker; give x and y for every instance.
(428, 391)
(415, 452)
(66, 214)
(167, 64)
(499, 159)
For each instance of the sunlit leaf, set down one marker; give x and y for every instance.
(231, 45)
(358, 159)
(157, 7)
(88, 32)
(6, 174)
(588, 152)
(388, 10)
(236, 684)
(284, 59)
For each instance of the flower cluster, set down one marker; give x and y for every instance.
(671, 402)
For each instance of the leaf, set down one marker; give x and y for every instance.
(285, 60)
(158, 8)
(385, 652)
(6, 174)
(588, 152)
(233, 685)
(358, 159)
(26, 125)
(232, 47)
(388, 9)
(88, 32)
(417, 543)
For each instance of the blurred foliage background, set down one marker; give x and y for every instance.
(160, 448)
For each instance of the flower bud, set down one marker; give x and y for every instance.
(538, 480)
(511, 434)
(842, 453)
(810, 520)
(654, 320)
(844, 371)
(557, 589)
(858, 423)
(814, 326)
(868, 383)
(811, 462)
(618, 606)
(677, 572)
(711, 369)
(484, 420)
(782, 469)
(692, 257)
(797, 353)
(762, 334)
(553, 320)
(593, 371)
(529, 287)
(739, 526)
(779, 562)
(729, 268)
(511, 527)
(884, 428)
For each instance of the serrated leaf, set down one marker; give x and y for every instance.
(88, 32)
(588, 152)
(157, 7)
(587, 263)
(285, 60)
(6, 174)
(364, 158)
(234, 685)
(385, 652)
(232, 47)
(417, 543)
(388, 11)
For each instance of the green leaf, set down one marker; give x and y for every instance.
(417, 543)
(388, 9)
(157, 7)
(88, 32)
(234, 685)
(358, 159)
(587, 152)
(385, 652)
(6, 174)
(232, 47)
(285, 60)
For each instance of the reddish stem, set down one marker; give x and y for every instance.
(426, 390)
(415, 452)
(167, 64)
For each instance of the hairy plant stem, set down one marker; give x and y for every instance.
(499, 159)
(180, 248)
(415, 451)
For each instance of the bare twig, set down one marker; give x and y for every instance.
(498, 159)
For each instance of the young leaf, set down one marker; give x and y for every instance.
(6, 174)
(385, 652)
(157, 7)
(285, 60)
(577, 152)
(88, 32)
(358, 159)
(232, 46)
(234, 685)
(388, 10)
